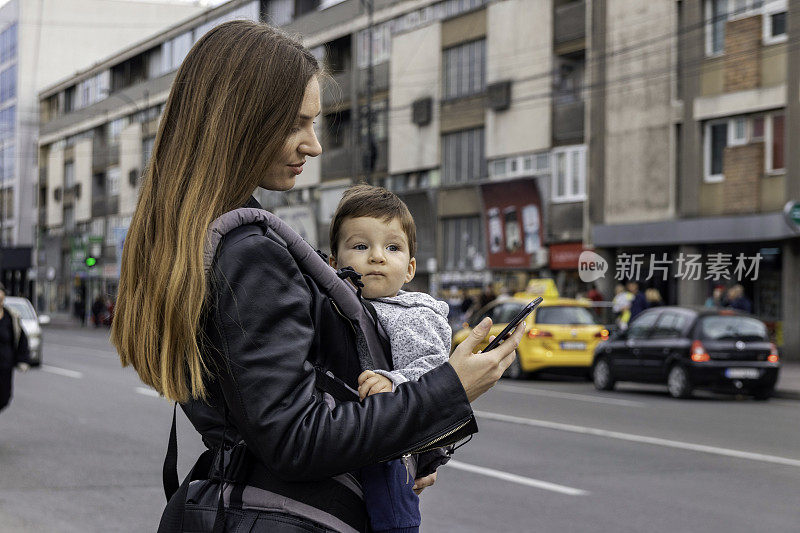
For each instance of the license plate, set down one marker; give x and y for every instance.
(573, 345)
(742, 373)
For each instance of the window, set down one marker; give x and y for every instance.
(670, 326)
(758, 129)
(718, 12)
(8, 162)
(381, 44)
(8, 43)
(463, 157)
(147, 151)
(569, 174)
(775, 143)
(464, 69)
(112, 179)
(642, 326)
(716, 139)
(8, 83)
(281, 12)
(115, 129)
(774, 21)
(69, 174)
(174, 51)
(463, 238)
(69, 219)
(523, 165)
(738, 132)
(379, 121)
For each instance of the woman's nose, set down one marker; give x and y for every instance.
(311, 146)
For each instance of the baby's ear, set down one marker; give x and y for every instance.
(332, 261)
(412, 269)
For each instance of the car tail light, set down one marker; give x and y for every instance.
(699, 354)
(773, 353)
(539, 333)
(602, 334)
(727, 312)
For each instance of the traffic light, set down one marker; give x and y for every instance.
(91, 261)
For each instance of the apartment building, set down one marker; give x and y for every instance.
(462, 108)
(692, 130)
(41, 42)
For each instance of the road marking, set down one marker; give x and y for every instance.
(514, 478)
(568, 395)
(61, 371)
(147, 392)
(727, 452)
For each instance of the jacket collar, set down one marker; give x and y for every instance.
(252, 202)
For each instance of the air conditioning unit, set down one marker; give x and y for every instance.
(498, 95)
(422, 111)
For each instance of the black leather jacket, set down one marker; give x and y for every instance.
(260, 335)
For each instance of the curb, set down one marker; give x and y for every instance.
(786, 394)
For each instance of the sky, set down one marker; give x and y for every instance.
(201, 2)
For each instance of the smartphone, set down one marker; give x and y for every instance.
(528, 309)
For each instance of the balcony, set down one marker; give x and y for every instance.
(569, 22)
(568, 122)
(337, 90)
(337, 162)
(103, 206)
(104, 156)
(380, 79)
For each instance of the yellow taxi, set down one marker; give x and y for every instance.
(561, 333)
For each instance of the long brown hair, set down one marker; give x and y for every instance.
(229, 112)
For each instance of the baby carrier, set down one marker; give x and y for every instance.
(371, 342)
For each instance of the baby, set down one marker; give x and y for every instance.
(373, 232)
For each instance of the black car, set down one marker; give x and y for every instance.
(691, 348)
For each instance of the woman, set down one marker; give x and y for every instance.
(232, 347)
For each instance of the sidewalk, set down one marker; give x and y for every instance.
(788, 382)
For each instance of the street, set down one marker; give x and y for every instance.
(82, 444)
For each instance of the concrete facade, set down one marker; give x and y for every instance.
(519, 55)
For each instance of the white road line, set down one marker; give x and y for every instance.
(147, 392)
(513, 478)
(568, 395)
(61, 371)
(727, 452)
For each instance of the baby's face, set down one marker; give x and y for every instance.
(377, 250)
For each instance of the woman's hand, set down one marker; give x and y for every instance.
(478, 372)
(421, 483)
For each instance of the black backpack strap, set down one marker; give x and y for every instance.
(170, 470)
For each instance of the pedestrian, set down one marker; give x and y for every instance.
(98, 311)
(487, 296)
(717, 298)
(14, 353)
(466, 305)
(621, 305)
(653, 297)
(638, 302)
(80, 309)
(738, 300)
(374, 233)
(236, 345)
(594, 294)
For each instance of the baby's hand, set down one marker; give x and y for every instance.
(370, 383)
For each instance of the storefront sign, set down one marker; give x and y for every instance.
(792, 213)
(513, 223)
(565, 256)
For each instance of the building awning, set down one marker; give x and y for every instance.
(706, 230)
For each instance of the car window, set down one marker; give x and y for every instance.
(563, 314)
(507, 312)
(22, 309)
(741, 328)
(641, 327)
(670, 326)
(491, 312)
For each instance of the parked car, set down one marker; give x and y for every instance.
(31, 324)
(561, 333)
(691, 348)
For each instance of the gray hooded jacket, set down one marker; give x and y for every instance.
(418, 331)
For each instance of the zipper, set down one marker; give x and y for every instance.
(440, 438)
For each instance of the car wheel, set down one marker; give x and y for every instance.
(602, 377)
(514, 371)
(763, 394)
(678, 382)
